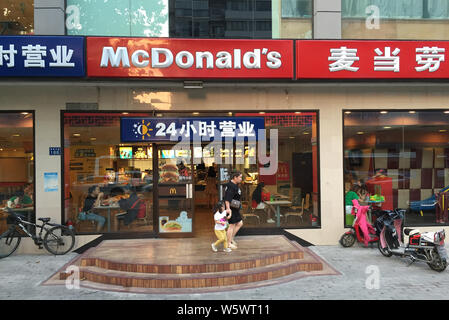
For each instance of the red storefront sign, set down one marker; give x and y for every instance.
(326, 59)
(189, 59)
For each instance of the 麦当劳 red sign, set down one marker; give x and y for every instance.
(189, 58)
(327, 59)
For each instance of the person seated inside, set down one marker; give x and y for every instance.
(261, 194)
(131, 205)
(21, 199)
(353, 194)
(93, 200)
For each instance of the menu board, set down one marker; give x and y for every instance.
(126, 152)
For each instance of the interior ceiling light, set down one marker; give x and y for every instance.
(413, 112)
(447, 111)
(360, 132)
(387, 127)
(384, 112)
(347, 112)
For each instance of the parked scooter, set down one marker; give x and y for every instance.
(361, 230)
(426, 246)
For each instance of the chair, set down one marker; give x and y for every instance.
(249, 213)
(307, 202)
(147, 218)
(298, 214)
(253, 216)
(81, 224)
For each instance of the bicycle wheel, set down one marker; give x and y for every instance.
(59, 240)
(9, 241)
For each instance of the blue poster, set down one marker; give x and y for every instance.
(41, 56)
(50, 181)
(199, 129)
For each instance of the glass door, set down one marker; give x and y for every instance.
(174, 177)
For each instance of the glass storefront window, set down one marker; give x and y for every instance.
(401, 160)
(231, 19)
(137, 18)
(250, 19)
(17, 17)
(16, 165)
(399, 19)
(180, 186)
(95, 157)
(292, 19)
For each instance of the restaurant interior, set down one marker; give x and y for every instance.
(16, 165)
(403, 157)
(173, 185)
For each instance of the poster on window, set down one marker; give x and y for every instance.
(283, 173)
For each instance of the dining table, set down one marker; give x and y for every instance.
(278, 204)
(109, 208)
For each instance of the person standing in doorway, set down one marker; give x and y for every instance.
(232, 198)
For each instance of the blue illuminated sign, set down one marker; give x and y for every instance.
(200, 129)
(41, 56)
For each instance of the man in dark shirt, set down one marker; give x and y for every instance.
(233, 192)
(92, 200)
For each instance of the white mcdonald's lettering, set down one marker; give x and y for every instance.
(163, 58)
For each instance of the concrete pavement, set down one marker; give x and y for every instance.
(365, 275)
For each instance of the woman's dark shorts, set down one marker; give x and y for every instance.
(235, 218)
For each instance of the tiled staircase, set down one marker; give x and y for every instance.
(133, 264)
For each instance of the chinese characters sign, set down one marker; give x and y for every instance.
(165, 58)
(372, 59)
(189, 58)
(38, 56)
(177, 129)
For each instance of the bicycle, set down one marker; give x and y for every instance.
(56, 237)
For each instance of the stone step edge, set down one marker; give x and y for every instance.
(193, 268)
(265, 273)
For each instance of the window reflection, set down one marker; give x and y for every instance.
(17, 17)
(401, 158)
(400, 19)
(16, 166)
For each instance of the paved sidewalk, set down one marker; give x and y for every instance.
(21, 275)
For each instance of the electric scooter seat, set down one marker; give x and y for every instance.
(410, 232)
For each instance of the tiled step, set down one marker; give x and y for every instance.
(191, 268)
(198, 280)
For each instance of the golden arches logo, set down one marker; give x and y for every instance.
(172, 191)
